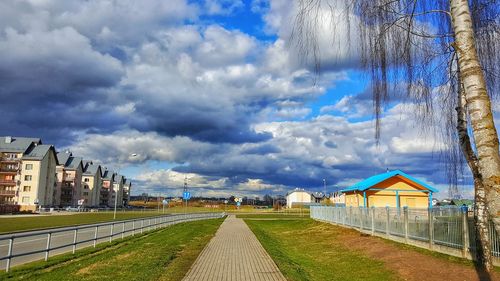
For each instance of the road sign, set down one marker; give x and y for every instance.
(238, 203)
(186, 195)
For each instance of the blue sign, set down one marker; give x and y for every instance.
(186, 195)
(238, 203)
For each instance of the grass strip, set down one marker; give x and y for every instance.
(165, 254)
(308, 250)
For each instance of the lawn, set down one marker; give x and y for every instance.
(273, 216)
(19, 223)
(166, 254)
(305, 249)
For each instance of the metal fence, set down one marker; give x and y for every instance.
(449, 230)
(23, 247)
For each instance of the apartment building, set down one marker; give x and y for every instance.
(69, 179)
(91, 183)
(116, 191)
(127, 187)
(107, 183)
(12, 150)
(38, 181)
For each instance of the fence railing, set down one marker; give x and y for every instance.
(443, 229)
(29, 246)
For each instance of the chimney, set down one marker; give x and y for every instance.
(8, 139)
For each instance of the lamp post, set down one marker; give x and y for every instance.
(116, 193)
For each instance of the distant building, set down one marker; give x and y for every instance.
(91, 183)
(12, 150)
(116, 191)
(69, 179)
(298, 197)
(392, 189)
(127, 187)
(107, 183)
(338, 198)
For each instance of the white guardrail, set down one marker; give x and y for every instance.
(23, 247)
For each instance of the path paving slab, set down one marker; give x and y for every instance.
(234, 254)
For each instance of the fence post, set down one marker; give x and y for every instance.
(431, 228)
(465, 232)
(9, 254)
(123, 229)
(373, 220)
(133, 227)
(361, 215)
(47, 249)
(142, 225)
(75, 236)
(95, 235)
(350, 216)
(405, 219)
(111, 232)
(387, 221)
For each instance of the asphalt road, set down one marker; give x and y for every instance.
(30, 241)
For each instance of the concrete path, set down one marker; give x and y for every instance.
(234, 254)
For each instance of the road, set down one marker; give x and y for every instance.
(62, 238)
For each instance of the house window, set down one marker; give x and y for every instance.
(26, 188)
(26, 199)
(85, 193)
(28, 167)
(27, 177)
(85, 187)
(86, 179)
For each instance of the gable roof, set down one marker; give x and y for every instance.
(73, 163)
(63, 157)
(107, 175)
(91, 168)
(298, 190)
(38, 152)
(17, 144)
(373, 180)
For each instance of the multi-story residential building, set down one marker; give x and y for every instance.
(107, 183)
(91, 183)
(12, 150)
(69, 179)
(38, 177)
(127, 187)
(117, 190)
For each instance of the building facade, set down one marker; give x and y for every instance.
(69, 179)
(91, 184)
(390, 189)
(298, 198)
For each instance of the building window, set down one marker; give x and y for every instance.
(26, 199)
(85, 187)
(27, 177)
(26, 188)
(86, 179)
(86, 194)
(28, 167)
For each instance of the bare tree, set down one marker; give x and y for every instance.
(437, 49)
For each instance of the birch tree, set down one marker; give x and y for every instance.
(450, 45)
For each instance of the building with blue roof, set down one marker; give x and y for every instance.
(390, 189)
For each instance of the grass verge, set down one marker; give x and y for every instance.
(307, 250)
(17, 223)
(165, 254)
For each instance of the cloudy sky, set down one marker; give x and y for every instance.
(209, 90)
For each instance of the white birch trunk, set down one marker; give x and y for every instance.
(479, 109)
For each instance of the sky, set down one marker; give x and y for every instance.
(214, 91)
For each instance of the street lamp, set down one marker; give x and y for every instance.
(116, 193)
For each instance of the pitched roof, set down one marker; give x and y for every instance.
(17, 144)
(73, 162)
(373, 180)
(63, 157)
(298, 190)
(90, 168)
(107, 175)
(37, 152)
(118, 178)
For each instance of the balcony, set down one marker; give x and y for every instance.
(10, 160)
(7, 193)
(9, 170)
(7, 182)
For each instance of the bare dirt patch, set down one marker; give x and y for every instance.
(409, 263)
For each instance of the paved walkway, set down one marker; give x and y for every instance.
(234, 254)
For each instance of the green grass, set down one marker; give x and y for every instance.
(20, 223)
(308, 250)
(273, 216)
(165, 254)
